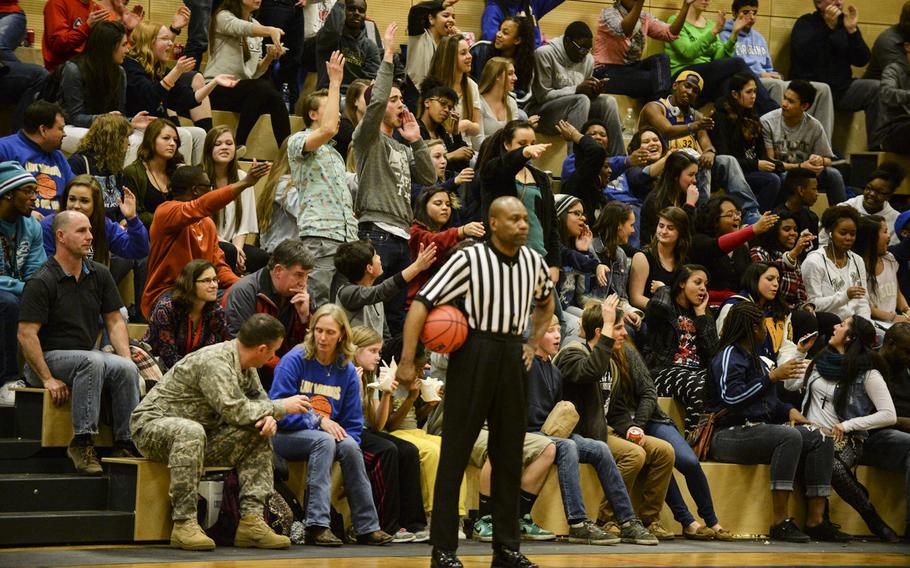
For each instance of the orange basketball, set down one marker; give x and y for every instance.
(445, 329)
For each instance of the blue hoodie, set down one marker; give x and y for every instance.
(334, 392)
(51, 170)
(28, 255)
(752, 47)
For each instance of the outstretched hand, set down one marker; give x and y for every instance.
(410, 129)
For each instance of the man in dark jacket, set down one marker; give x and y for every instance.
(823, 46)
(344, 31)
(544, 391)
(587, 370)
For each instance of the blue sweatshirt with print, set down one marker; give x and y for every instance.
(334, 391)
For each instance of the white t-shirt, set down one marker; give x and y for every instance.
(826, 284)
(249, 223)
(474, 141)
(315, 13)
(885, 295)
(821, 403)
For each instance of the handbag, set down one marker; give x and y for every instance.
(561, 421)
(700, 436)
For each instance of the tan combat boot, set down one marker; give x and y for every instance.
(252, 531)
(85, 460)
(188, 535)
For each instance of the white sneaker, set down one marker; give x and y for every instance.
(403, 535)
(7, 394)
(422, 535)
(461, 535)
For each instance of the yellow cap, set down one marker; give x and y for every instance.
(693, 78)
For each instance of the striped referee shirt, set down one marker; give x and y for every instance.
(498, 289)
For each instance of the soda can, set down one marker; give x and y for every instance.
(178, 50)
(29, 37)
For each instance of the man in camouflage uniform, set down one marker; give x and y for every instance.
(211, 410)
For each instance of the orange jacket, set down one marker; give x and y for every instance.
(65, 30)
(183, 231)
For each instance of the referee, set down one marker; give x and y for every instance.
(500, 280)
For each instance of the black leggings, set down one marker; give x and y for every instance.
(256, 258)
(393, 466)
(253, 98)
(687, 386)
(845, 483)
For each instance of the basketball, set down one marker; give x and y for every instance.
(445, 329)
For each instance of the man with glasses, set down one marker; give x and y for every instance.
(564, 87)
(21, 254)
(280, 290)
(58, 326)
(882, 185)
(182, 229)
(798, 140)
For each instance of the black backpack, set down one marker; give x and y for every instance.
(50, 90)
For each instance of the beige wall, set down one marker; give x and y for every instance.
(776, 17)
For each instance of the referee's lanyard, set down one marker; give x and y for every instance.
(193, 336)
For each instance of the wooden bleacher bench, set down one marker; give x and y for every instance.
(40, 419)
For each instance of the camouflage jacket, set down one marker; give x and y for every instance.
(209, 387)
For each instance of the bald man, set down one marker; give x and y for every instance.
(499, 281)
(58, 325)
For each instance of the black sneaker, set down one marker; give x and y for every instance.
(827, 531)
(787, 531)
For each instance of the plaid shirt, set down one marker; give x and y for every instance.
(792, 288)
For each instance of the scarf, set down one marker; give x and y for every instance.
(829, 364)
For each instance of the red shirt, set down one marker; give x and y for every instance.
(65, 30)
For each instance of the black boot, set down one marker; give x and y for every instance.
(507, 558)
(444, 559)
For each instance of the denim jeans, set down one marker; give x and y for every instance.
(575, 450)
(687, 464)
(197, 41)
(320, 450)
(727, 174)
(784, 447)
(12, 30)
(889, 449)
(765, 187)
(88, 373)
(578, 109)
(19, 84)
(9, 325)
(648, 79)
(862, 95)
(320, 280)
(395, 256)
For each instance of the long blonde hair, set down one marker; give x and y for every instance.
(345, 349)
(142, 39)
(492, 71)
(265, 202)
(105, 140)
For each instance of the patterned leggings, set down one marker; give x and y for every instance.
(687, 386)
(845, 483)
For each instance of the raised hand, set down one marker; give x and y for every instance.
(692, 194)
(181, 18)
(831, 15)
(410, 129)
(764, 224)
(98, 16)
(465, 176)
(335, 68)
(426, 256)
(719, 20)
(568, 132)
(583, 241)
(127, 203)
(301, 302)
(183, 65)
(257, 171)
(473, 229)
(851, 18)
(134, 17)
(142, 120)
(388, 38)
(740, 23)
(608, 313)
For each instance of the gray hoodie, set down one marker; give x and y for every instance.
(555, 75)
(385, 166)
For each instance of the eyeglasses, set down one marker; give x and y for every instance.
(443, 103)
(885, 194)
(732, 215)
(577, 213)
(581, 50)
(208, 281)
(32, 192)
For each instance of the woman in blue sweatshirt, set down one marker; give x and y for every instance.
(321, 369)
(756, 427)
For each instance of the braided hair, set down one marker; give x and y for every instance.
(744, 319)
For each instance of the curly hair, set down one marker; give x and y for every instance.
(524, 50)
(143, 39)
(345, 348)
(105, 142)
(707, 217)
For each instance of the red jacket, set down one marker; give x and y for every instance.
(182, 231)
(65, 30)
(444, 240)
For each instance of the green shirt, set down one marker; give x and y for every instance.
(529, 195)
(697, 45)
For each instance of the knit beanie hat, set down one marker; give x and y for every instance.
(13, 176)
(901, 221)
(564, 202)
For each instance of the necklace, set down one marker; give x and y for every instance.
(154, 179)
(833, 255)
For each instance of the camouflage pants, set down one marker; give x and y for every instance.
(187, 448)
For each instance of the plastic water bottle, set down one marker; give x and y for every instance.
(628, 125)
(286, 97)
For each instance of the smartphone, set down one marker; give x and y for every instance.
(808, 336)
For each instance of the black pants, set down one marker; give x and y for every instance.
(486, 382)
(898, 138)
(120, 267)
(252, 98)
(288, 16)
(393, 466)
(717, 75)
(256, 258)
(648, 79)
